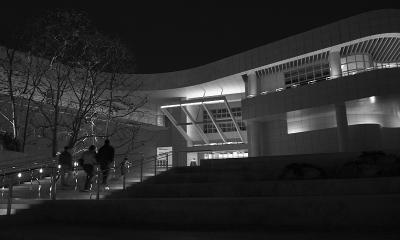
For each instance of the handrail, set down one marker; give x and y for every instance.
(55, 173)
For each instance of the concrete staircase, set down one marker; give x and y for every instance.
(27, 194)
(238, 196)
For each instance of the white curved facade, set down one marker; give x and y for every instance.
(330, 89)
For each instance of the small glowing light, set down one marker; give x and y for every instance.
(372, 99)
(59, 166)
(41, 170)
(75, 164)
(311, 82)
(278, 89)
(19, 175)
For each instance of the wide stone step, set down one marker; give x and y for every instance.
(198, 177)
(322, 187)
(322, 212)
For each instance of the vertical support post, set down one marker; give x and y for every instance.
(342, 126)
(141, 168)
(98, 184)
(334, 64)
(123, 169)
(254, 138)
(155, 165)
(53, 183)
(166, 162)
(114, 170)
(9, 201)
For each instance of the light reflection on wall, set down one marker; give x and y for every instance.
(311, 119)
(384, 111)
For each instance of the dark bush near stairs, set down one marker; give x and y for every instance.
(371, 164)
(9, 143)
(302, 171)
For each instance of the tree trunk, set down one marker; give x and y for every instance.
(26, 125)
(55, 133)
(10, 55)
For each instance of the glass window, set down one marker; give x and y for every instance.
(352, 66)
(359, 58)
(351, 59)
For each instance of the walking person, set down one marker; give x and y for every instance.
(89, 160)
(65, 160)
(105, 157)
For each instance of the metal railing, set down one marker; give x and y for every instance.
(15, 175)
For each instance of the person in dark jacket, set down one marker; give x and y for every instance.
(65, 160)
(105, 157)
(89, 160)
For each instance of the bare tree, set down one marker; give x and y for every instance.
(33, 71)
(83, 91)
(56, 36)
(100, 90)
(8, 87)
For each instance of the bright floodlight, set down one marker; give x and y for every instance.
(372, 99)
(19, 175)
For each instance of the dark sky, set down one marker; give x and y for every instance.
(174, 37)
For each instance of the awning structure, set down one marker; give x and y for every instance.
(203, 102)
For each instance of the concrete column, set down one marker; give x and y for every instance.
(254, 138)
(334, 64)
(246, 85)
(254, 84)
(342, 127)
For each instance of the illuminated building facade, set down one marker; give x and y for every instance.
(330, 89)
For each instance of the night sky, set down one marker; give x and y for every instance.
(174, 37)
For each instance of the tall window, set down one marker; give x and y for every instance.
(223, 120)
(354, 63)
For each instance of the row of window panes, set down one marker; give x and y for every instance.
(223, 113)
(225, 127)
(303, 75)
(354, 63)
(225, 155)
(387, 65)
(355, 58)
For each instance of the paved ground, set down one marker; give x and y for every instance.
(82, 232)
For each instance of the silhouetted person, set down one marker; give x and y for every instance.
(65, 160)
(105, 157)
(89, 160)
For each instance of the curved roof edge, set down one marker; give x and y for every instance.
(362, 25)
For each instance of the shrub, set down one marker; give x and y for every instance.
(9, 143)
(302, 171)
